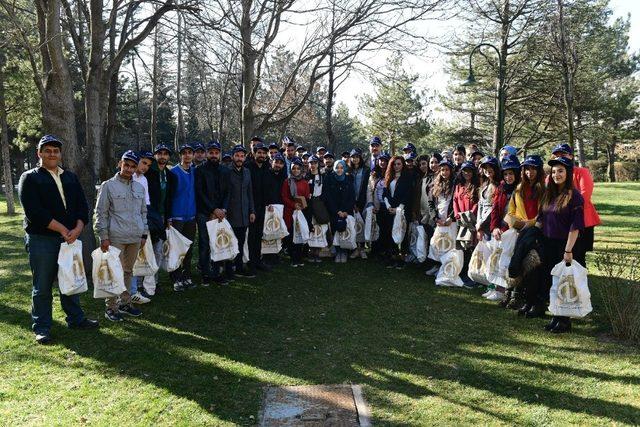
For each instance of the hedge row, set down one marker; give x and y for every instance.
(625, 171)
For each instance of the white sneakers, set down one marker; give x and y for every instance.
(138, 298)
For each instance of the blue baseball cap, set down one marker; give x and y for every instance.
(446, 162)
(273, 145)
(533, 160)
(260, 146)
(314, 158)
(472, 155)
(184, 147)
(410, 156)
(384, 155)
(329, 154)
(562, 148)
(279, 157)
(510, 162)
(510, 149)
(300, 148)
(567, 163)
(297, 161)
(238, 148)
(161, 147)
(130, 155)
(319, 149)
(145, 155)
(375, 141)
(289, 142)
(214, 144)
(467, 165)
(49, 140)
(226, 156)
(256, 138)
(356, 152)
(198, 146)
(409, 147)
(490, 160)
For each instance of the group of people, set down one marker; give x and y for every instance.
(484, 195)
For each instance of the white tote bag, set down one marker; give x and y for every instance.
(175, 248)
(274, 226)
(223, 243)
(318, 235)
(71, 274)
(145, 264)
(359, 223)
(443, 240)
(478, 262)
(508, 243)
(371, 231)
(399, 225)
(107, 273)
(245, 247)
(449, 272)
(494, 272)
(271, 246)
(569, 295)
(300, 228)
(346, 239)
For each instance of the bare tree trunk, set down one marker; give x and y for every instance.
(498, 130)
(567, 74)
(580, 156)
(138, 118)
(153, 131)
(109, 149)
(4, 139)
(179, 138)
(328, 112)
(611, 160)
(248, 57)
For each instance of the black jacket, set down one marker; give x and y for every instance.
(260, 183)
(402, 194)
(153, 181)
(338, 196)
(211, 193)
(42, 202)
(273, 196)
(529, 239)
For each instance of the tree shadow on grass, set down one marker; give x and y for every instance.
(310, 331)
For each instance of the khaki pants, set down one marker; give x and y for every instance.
(128, 255)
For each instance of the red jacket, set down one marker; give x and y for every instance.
(583, 182)
(500, 201)
(462, 203)
(302, 188)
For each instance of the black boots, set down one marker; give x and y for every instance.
(559, 325)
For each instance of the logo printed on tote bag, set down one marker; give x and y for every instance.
(567, 291)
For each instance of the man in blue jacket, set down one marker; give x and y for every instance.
(56, 211)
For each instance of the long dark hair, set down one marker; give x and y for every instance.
(470, 187)
(537, 186)
(443, 186)
(492, 183)
(390, 174)
(559, 195)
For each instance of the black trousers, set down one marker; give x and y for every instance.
(188, 230)
(553, 253)
(255, 239)
(388, 247)
(240, 233)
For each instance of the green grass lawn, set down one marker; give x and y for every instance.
(424, 355)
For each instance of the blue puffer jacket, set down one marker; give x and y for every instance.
(183, 203)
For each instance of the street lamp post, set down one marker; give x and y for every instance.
(498, 133)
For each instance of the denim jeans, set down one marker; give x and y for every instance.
(43, 260)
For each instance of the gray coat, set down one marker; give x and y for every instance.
(121, 212)
(240, 197)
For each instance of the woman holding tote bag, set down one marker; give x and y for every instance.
(340, 199)
(317, 207)
(561, 219)
(295, 194)
(397, 191)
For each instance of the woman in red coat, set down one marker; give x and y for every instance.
(465, 199)
(583, 182)
(294, 187)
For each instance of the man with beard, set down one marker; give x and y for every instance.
(211, 197)
(276, 176)
(329, 159)
(199, 154)
(159, 181)
(290, 152)
(260, 177)
(273, 150)
(240, 209)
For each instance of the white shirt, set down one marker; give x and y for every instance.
(143, 180)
